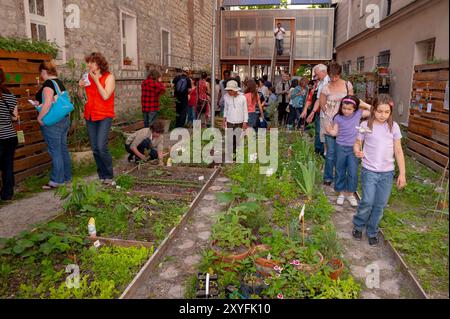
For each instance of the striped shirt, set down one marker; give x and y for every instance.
(7, 129)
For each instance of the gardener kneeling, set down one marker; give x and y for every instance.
(146, 139)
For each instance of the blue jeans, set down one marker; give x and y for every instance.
(191, 114)
(99, 137)
(253, 120)
(330, 159)
(56, 138)
(346, 169)
(149, 118)
(318, 145)
(376, 190)
(145, 145)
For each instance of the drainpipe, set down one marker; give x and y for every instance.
(213, 67)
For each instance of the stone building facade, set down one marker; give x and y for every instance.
(173, 33)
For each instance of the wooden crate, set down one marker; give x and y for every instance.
(22, 71)
(428, 132)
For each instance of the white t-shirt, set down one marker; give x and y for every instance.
(280, 35)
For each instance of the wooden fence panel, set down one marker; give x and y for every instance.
(22, 71)
(428, 131)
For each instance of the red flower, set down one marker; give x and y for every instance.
(280, 296)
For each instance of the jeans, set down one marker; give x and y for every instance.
(376, 190)
(294, 117)
(346, 169)
(56, 138)
(318, 145)
(191, 114)
(145, 145)
(99, 137)
(182, 110)
(330, 159)
(149, 118)
(7, 150)
(280, 44)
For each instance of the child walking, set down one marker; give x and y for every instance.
(382, 146)
(297, 97)
(344, 128)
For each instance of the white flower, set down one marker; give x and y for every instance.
(118, 187)
(201, 178)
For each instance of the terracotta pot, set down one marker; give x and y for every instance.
(229, 258)
(311, 268)
(265, 266)
(338, 267)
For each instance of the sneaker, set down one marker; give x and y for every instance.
(130, 158)
(373, 241)
(340, 200)
(326, 183)
(352, 201)
(357, 234)
(107, 181)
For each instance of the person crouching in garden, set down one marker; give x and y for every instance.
(152, 89)
(8, 138)
(150, 139)
(56, 135)
(99, 112)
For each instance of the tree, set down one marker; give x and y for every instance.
(283, 5)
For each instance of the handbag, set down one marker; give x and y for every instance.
(59, 109)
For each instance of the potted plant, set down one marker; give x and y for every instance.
(127, 61)
(231, 241)
(337, 267)
(263, 261)
(167, 112)
(252, 285)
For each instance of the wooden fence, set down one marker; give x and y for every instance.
(22, 71)
(428, 127)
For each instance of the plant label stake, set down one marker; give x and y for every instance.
(207, 286)
(301, 219)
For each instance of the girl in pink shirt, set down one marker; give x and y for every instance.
(381, 138)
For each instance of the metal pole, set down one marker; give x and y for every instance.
(249, 61)
(213, 67)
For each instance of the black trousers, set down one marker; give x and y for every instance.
(182, 111)
(282, 114)
(145, 145)
(7, 151)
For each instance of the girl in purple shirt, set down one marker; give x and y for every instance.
(382, 143)
(344, 128)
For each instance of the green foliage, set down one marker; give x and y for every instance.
(229, 233)
(309, 178)
(27, 45)
(126, 181)
(167, 107)
(83, 197)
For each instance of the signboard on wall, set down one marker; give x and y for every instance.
(234, 3)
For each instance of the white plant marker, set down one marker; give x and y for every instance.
(301, 219)
(207, 285)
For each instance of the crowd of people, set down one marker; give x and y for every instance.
(347, 129)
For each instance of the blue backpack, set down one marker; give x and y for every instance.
(59, 109)
(182, 86)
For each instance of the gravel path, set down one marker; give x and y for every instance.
(393, 284)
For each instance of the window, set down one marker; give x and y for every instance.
(389, 8)
(347, 67)
(360, 64)
(45, 22)
(38, 21)
(128, 26)
(384, 58)
(425, 51)
(165, 48)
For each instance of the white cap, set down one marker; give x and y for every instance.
(232, 86)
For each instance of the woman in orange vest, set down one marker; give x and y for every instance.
(99, 85)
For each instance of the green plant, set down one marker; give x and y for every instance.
(27, 45)
(309, 178)
(126, 181)
(229, 233)
(83, 197)
(167, 107)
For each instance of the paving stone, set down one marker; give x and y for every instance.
(344, 235)
(391, 287)
(210, 197)
(204, 235)
(359, 272)
(192, 260)
(186, 244)
(169, 273)
(223, 180)
(216, 188)
(176, 292)
(369, 295)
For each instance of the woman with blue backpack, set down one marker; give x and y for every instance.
(55, 134)
(297, 97)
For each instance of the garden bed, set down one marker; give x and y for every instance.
(285, 258)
